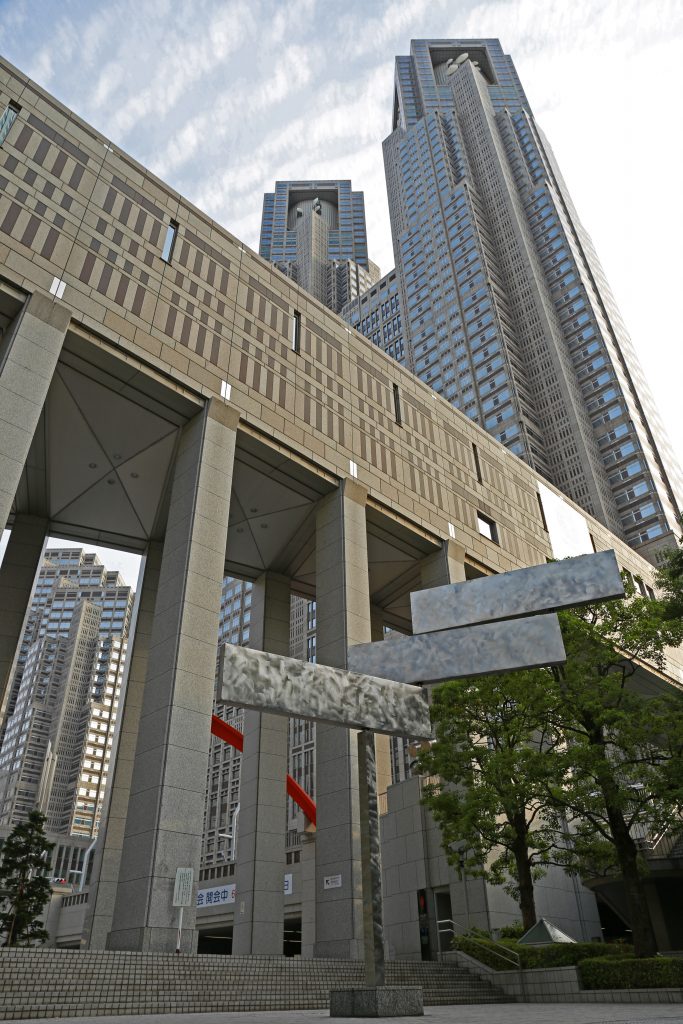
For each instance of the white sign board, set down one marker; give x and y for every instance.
(332, 882)
(216, 896)
(182, 891)
(222, 894)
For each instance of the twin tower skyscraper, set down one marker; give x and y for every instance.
(498, 300)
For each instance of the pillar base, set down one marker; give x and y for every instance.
(385, 1001)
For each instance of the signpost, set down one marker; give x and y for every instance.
(182, 896)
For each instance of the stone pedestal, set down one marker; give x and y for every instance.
(385, 1001)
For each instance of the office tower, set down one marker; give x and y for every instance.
(377, 314)
(505, 308)
(314, 232)
(221, 829)
(63, 701)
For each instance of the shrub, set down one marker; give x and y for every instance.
(628, 972)
(512, 931)
(561, 954)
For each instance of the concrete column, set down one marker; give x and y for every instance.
(343, 618)
(382, 743)
(23, 558)
(308, 895)
(468, 895)
(259, 908)
(28, 357)
(107, 857)
(165, 819)
(445, 566)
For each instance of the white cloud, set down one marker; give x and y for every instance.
(399, 20)
(223, 97)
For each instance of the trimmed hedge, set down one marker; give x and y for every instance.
(613, 972)
(560, 954)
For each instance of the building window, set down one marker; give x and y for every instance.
(487, 527)
(477, 466)
(296, 331)
(542, 512)
(7, 120)
(397, 405)
(169, 241)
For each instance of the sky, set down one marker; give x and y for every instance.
(221, 98)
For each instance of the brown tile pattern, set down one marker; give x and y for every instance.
(74, 207)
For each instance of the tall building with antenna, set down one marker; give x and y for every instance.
(314, 232)
(505, 309)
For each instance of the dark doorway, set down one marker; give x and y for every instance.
(217, 943)
(291, 945)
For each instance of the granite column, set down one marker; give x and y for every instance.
(343, 619)
(259, 907)
(165, 817)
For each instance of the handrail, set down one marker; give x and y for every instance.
(509, 955)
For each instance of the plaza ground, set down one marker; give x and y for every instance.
(500, 1013)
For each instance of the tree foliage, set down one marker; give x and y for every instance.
(24, 889)
(568, 766)
(670, 582)
(622, 771)
(496, 758)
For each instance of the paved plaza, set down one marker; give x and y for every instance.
(499, 1013)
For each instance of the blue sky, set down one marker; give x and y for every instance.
(223, 97)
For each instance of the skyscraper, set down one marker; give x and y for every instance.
(314, 232)
(505, 309)
(62, 710)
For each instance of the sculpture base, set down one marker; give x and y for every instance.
(385, 1001)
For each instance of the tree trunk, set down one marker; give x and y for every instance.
(527, 902)
(644, 942)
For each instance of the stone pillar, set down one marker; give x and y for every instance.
(445, 566)
(20, 565)
(28, 357)
(308, 895)
(468, 895)
(382, 743)
(165, 819)
(259, 906)
(343, 618)
(107, 857)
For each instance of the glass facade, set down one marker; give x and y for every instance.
(314, 232)
(502, 304)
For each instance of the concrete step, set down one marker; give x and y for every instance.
(49, 982)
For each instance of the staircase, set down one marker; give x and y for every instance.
(70, 983)
(444, 984)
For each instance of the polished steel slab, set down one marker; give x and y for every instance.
(269, 682)
(541, 588)
(470, 651)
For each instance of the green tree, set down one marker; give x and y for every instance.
(622, 775)
(565, 766)
(24, 889)
(670, 582)
(495, 756)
